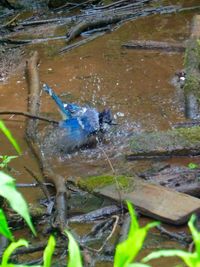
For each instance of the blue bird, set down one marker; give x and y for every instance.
(79, 122)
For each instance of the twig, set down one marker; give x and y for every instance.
(179, 237)
(82, 42)
(116, 181)
(29, 115)
(42, 185)
(10, 21)
(30, 41)
(108, 237)
(33, 184)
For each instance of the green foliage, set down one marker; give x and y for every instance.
(8, 134)
(191, 259)
(128, 249)
(74, 252)
(48, 252)
(7, 253)
(4, 229)
(192, 166)
(15, 199)
(6, 160)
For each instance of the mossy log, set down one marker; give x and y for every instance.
(175, 142)
(192, 68)
(152, 200)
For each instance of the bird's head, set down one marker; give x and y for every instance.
(105, 117)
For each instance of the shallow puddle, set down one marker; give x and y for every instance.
(135, 84)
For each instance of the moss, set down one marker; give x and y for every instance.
(190, 134)
(192, 83)
(96, 182)
(168, 141)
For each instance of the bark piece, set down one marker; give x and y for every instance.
(152, 200)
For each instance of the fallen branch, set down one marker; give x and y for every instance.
(10, 21)
(154, 45)
(112, 18)
(82, 42)
(34, 143)
(29, 115)
(41, 185)
(30, 41)
(175, 236)
(96, 214)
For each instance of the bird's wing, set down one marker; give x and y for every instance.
(89, 120)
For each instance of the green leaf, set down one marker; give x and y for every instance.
(6, 160)
(48, 252)
(4, 229)
(128, 249)
(74, 252)
(193, 166)
(10, 249)
(195, 234)
(15, 199)
(8, 134)
(166, 253)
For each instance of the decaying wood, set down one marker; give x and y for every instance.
(158, 202)
(151, 200)
(88, 24)
(181, 179)
(97, 214)
(175, 142)
(34, 142)
(192, 62)
(112, 18)
(136, 6)
(154, 45)
(183, 238)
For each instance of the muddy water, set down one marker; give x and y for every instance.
(136, 85)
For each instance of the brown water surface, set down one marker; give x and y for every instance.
(135, 84)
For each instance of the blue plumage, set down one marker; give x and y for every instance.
(79, 122)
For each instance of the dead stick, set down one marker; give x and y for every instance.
(110, 235)
(154, 45)
(34, 142)
(42, 185)
(29, 115)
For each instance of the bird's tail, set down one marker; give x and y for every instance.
(65, 113)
